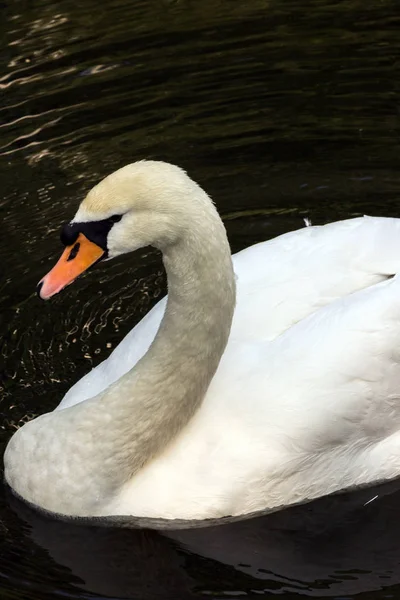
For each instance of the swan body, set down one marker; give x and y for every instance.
(207, 409)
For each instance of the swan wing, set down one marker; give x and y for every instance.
(313, 412)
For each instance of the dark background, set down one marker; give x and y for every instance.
(280, 110)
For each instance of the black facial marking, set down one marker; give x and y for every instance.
(95, 231)
(74, 252)
(69, 234)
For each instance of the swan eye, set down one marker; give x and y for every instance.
(115, 218)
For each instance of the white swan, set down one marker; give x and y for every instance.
(304, 402)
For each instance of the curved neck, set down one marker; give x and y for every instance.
(157, 398)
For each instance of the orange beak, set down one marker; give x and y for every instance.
(74, 260)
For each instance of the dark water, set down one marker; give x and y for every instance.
(281, 110)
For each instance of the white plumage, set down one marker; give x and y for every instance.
(305, 400)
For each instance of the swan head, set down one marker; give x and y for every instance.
(141, 204)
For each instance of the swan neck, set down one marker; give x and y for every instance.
(153, 402)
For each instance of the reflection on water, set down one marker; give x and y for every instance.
(281, 110)
(336, 546)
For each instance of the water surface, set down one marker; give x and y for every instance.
(280, 110)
